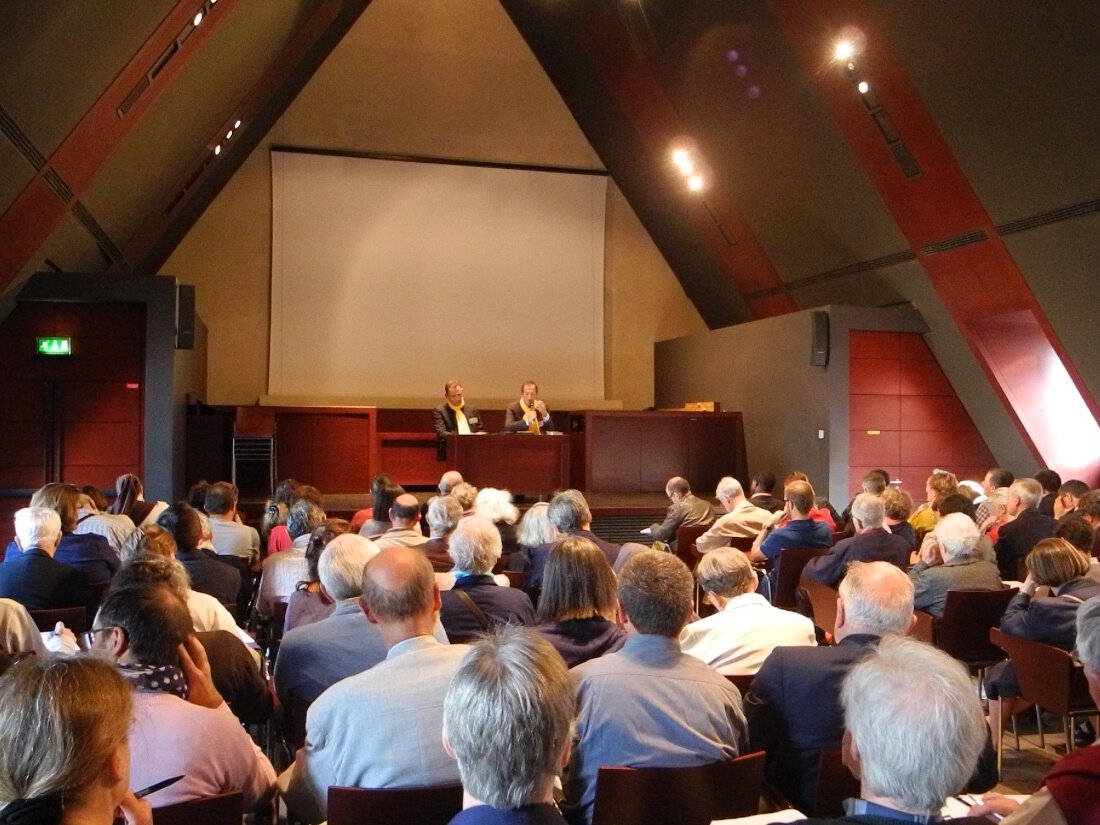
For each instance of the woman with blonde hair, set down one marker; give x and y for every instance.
(64, 756)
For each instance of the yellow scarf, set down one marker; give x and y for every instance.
(534, 425)
(460, 419)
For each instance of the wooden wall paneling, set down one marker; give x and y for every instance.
(716, 448)
(663, 445)
(341, 453)
(614, 454)
(294, 447)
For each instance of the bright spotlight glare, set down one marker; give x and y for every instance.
(229, 134)
(237, 125)
(218, 149)
(844, 50)
(864, 87)
(695, 183)
(198, 18)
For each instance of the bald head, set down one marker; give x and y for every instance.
(677, 485)
(876, 598)
(404, 511)
(399, 588)
(448, 481)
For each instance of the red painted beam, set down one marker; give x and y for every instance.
(980, 284)
(38, 210)
(657, 124)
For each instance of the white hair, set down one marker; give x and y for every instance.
(1028, 490)
(37, 527)
(340, 567)
(569, 511)
(535, 528)
(916, 722)
(728, 487)
(957, 534)
(869, 509)
(877, 598)
(475, 545)
(496, 505)
(443, 514)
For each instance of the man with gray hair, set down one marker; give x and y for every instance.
(443, 516)
(685, 510)
(382, 728)
(954, 567)
(914, 732)
(872, 542)
(738, 638)
(570, 514)
(448, 481)
(742, 518)
(508, 721)
(793, 706)
(1016, 538)
(405, 524)
(650, 703)
(283, 570)
(1069, 791)
(33, 577)
(314, 657)
(476, 603)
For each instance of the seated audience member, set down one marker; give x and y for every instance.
(996, 506)
(382, 728)
(874, 483)
(496, 505)
(273, 524)
(1089, 506)
(535, 529)
(454, 415)
(793, 706)
(899, 506)
(508, 722)
(1068, 497)
(1052, 563)
(18, 632)
(444, 513)
(476, 603)
(871, 542)
(90, 553)
(448, 481)
(945, 506)
(570, 515)
(308, 603)
(738, 638)
(33, 577)
(743, 518)
(1070, 789)
(1051, 482)
(404, 529)
(940, 483)
(529, 414)
(182, 725)
(685, 510)
(1078, 533)
(995, 479)
(229, 535)
(954, 568)
(91, 517)
(64, 758)
(378, 486)
(466, 495)
(314, 657)
(578, 608)
(799, 531)
(914, 732)
(649, 703)
(822, 510)
(206, 572)
(130, 501)
(1016, 538)
(763, 492)
(282, 572)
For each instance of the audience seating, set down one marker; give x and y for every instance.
(685, 543)
(516, 578)
(835, 783)
(922, 627)
(224, 809)
(393, 806)
(742, 680)
(788, 572)
(963, 630)
(742, 543)
(686, 796)
(1049, 677)
(74, 618)
(823, 602)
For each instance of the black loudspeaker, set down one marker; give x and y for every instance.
(185, 316)
(819, 345)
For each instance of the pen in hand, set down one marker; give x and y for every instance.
(158, 786)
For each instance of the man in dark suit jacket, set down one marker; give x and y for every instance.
(446, 415)
(208, 573)
(519, 414)
(33, 578)
(1016, 538)
(793, 706)
(870, 543)
(570, 514)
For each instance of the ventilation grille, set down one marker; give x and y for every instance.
(1077, 210)
(965, 239)
(20, 141)
(58, 185)
(102, 239)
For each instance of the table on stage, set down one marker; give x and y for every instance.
(522, 463)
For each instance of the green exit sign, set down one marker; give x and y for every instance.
(55, 346)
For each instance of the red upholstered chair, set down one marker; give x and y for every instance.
(963, 630)
(394, 806)
(823, 602)
(788, 571)
(685, 543)
(684, 796)
(922, 627)
(224, 809)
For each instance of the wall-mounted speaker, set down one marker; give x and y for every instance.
(185, 316)
(819, 344)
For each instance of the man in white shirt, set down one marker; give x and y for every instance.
(738, 638)
(229, 535)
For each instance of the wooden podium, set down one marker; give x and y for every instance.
(521, 463)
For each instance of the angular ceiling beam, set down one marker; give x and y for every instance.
(922, 184)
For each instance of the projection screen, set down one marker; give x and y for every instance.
(388, 277)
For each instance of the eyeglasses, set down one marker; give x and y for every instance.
(89, 636)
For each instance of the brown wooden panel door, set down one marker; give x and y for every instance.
(341, 449)
(614, 453)
(664, 453)
(294, 447)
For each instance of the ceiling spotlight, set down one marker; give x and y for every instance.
(237, 125)
(680, 157)
(229, 134)
(844, 50)
(864, 87)
(695, 183)
(198, 17)
(218, 149)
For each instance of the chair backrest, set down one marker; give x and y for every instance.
(823, 601)
(685, 796)
(922, 627)
(742, 680)
(224, 809)
(394, 806)
(686, 535)
(835, 783)
(1046, 674)
(516, 578)
(963, 630)
(74, 618)
(742, 543)
(788, 570)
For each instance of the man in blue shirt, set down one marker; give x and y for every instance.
(797, 530)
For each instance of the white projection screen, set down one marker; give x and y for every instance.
(390, 276)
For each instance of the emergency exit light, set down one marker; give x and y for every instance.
(55, 346)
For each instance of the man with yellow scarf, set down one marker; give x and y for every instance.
(454, 415)
(529, 414)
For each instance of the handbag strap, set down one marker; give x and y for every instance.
(479, 614)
